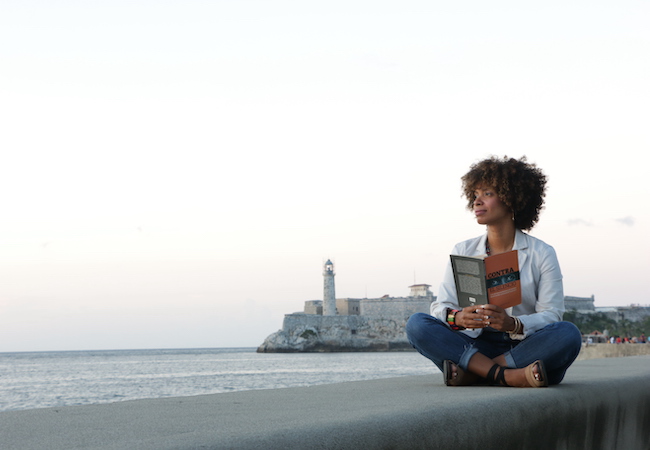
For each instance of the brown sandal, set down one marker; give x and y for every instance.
(499, 377)
(462, 378)
(541, 372)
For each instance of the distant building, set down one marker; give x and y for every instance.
(329, 294)
(348, 306)
(585, 305)
(579, 304)
(314, 307)
(421, 290)
(419, 300)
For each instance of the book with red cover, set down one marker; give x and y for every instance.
(487, 279)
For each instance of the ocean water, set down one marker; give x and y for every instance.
(51, 379)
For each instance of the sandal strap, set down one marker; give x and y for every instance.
(501, 377)
(495, 377)
(492, 379)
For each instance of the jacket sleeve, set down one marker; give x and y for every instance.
(548, 292)
(447, 297)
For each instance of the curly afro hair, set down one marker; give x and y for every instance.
(520, 185)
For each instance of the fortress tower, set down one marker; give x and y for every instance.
(329, 297)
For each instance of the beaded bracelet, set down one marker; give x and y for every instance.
(451, 319)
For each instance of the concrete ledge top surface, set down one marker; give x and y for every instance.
(362, 414)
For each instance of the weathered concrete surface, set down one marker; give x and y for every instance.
(603, 404)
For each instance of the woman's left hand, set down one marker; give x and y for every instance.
(496, 317)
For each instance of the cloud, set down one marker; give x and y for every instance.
(629, 221)
(582, 222)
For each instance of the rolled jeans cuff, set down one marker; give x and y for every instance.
(470, 351)
(510, 362)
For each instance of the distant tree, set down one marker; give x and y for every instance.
(636, 328)
(588, 323)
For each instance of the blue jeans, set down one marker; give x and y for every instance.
(557, 344)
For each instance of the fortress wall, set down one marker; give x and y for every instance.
(632, 313)
(579, 303)
(594, 351)
(401, 307)
(315, 333)
(343, 326)
(292, 321)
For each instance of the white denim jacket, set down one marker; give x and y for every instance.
(541, 283)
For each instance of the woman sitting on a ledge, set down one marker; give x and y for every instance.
(527, 345)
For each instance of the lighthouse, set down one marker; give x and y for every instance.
(329, 297)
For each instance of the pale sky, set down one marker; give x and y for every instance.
(174, 174)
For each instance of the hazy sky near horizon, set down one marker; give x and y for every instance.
(174, 174)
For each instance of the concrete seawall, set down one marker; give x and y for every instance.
(593, 351)
(603, 404)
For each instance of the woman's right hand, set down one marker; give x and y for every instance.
(468, 317)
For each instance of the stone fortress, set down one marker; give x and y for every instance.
(375, 324)
(348, 324)
(582, 305)
(384, 307)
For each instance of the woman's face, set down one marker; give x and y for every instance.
(488, 208)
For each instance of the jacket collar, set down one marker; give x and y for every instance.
(521, 240)
(521, 243)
